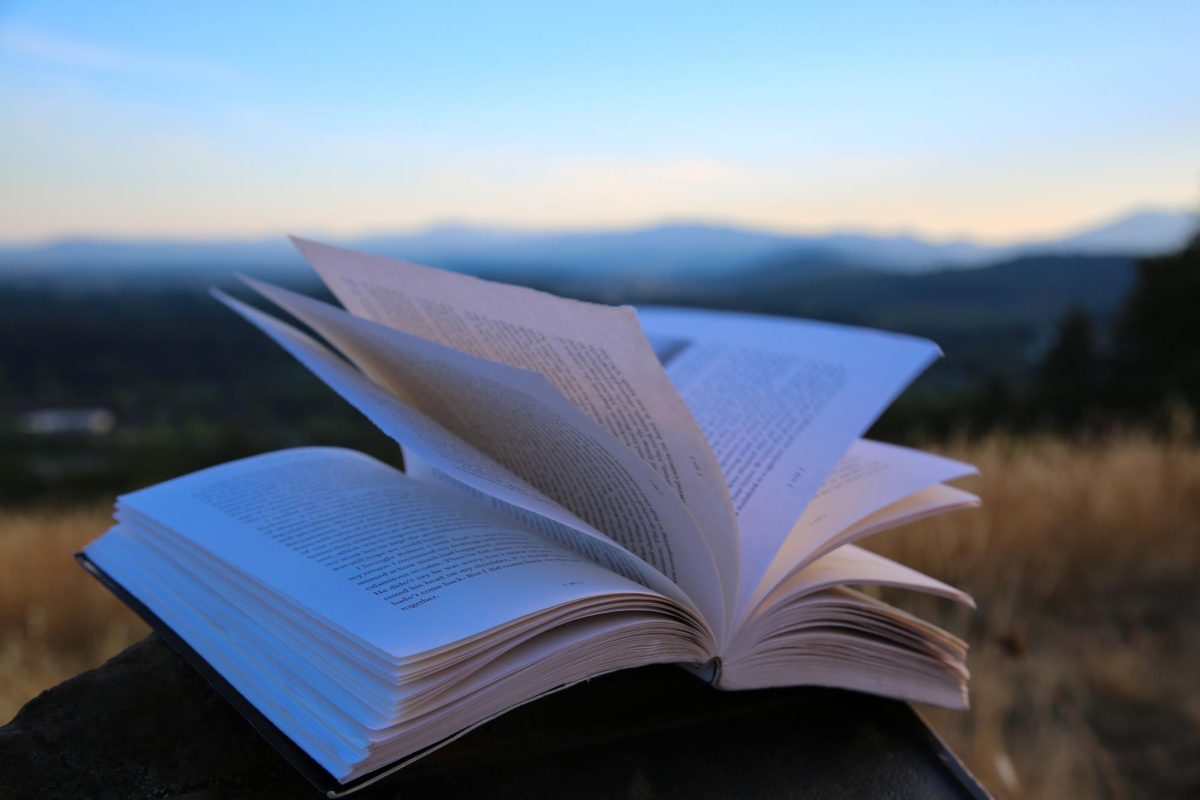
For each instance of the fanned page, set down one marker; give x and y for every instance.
(517, 419)
(874, 487)
(779, 402)
(871, 476)
(936, 499)
(842, 638)
(450, 454)
(837, 564)
(596, 356)
(856, 566)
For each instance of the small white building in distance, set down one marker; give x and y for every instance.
(57, 421)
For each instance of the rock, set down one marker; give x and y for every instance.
(142, 725)
(146, 725)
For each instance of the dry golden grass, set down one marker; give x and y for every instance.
(1084, 562)
(55, 620)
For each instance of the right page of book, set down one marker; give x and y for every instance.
(780, 401)
(870, 477)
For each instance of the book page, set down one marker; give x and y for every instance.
(418, 469)
(851, 565)
(842, 638)
(870, 476)
(350, 733)
(395, 563)
(447, 452)
(595, 355)
(517, 419)
(779, 401)
(936, 499)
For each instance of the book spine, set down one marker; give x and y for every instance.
(710, 673)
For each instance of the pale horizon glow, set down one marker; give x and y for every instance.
(992, 123)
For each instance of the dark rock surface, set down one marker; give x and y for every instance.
(146, 725)
(143, 725)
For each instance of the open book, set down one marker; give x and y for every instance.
(585, 489)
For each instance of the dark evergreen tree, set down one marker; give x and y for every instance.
(1159, 334)
(1067, 385)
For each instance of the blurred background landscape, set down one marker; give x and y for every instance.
(1019, 185)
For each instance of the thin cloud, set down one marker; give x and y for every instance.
(35, 45)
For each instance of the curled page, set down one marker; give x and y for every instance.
(419, 469)
(520, 421)
(851, 565)
(780, 401)
(449, 453)
(936, 499)
(869, 477)
(595, 355)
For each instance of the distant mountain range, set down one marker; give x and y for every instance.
(995, 319)
(662, 252)
(993, 309)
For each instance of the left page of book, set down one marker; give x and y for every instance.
(369, 616)
(393, 563)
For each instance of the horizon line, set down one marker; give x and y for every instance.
(451, 222)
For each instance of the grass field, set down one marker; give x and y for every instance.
(1084, 561)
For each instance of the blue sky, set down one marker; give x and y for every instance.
(994, 120)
